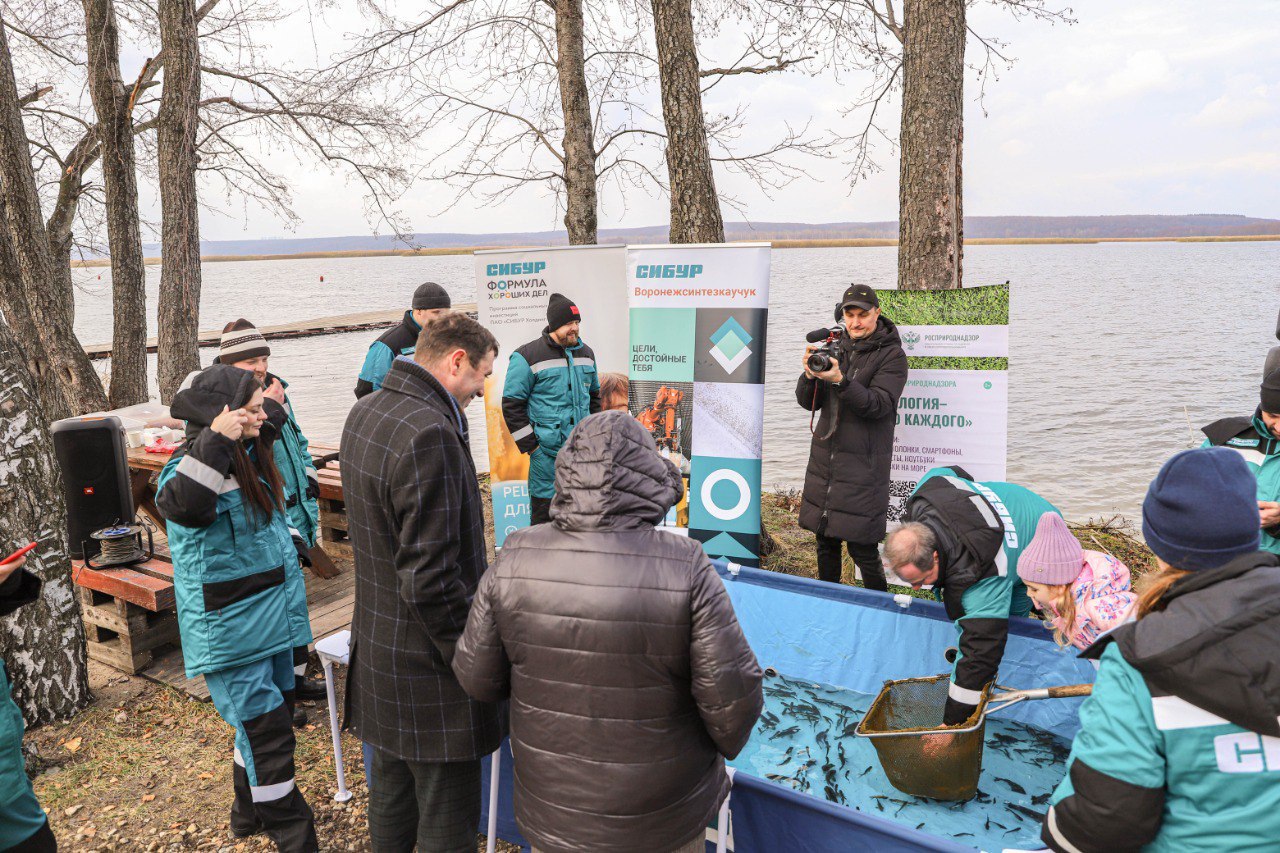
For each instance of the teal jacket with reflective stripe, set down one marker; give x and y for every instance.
(400, 339)
(549, 389)
(1179, 747)
(1220, 782)
(20, 812)
(1019, 510)
(240, 592)
(1261, 452)
(298, 472)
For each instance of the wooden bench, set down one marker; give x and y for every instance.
(334, 534)
(333, 537)
(128, 612)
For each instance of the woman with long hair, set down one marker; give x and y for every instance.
(242, 346)
(1179, 747)
(242, 603)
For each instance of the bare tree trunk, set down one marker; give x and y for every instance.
(179, 311)
(579, 145)
(42, 644)
(17, 314)
(81, 389)
(120, 180)
(695, 207)
(930, 213)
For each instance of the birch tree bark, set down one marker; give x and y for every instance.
(42, 644)
(579, 144)
(179, 310)
(120, 182)
(695, 206)
(930, 209)
(81, 389)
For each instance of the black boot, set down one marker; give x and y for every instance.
(310, 690)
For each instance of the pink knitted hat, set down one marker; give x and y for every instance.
(1053, 556)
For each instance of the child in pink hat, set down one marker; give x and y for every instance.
(1084, 593)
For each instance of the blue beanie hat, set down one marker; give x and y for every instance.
(1201, 510)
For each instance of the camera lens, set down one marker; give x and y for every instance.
(819, 362)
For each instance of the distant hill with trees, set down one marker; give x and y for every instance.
(976, 227)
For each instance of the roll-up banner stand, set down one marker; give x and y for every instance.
(513, 288)
(699, 318)
(955, 407)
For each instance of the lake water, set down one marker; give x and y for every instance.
(1119, 351)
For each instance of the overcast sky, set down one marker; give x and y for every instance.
(1143, 106)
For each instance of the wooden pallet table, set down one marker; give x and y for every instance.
(128, 612)
(334, 534)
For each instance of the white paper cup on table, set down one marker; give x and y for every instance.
(133, 438)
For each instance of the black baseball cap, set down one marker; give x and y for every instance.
(859, 296)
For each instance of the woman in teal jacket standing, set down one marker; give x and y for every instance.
(23, 826)
(1179, 747)
(241, 600)
(243, 346)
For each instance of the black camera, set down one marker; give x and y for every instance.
(826, 354)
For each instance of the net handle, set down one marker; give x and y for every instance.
(1008, 698)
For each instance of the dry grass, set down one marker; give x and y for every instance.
(146, 767)
(1118, 537)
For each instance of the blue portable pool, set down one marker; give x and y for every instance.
(829, 637)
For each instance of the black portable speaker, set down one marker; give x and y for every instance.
(95, 477)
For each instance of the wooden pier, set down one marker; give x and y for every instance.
(301, 329)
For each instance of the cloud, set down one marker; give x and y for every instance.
(1240, 106)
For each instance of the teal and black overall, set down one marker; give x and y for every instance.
(1179, 745)
(981, 528)
(401, 339)
(1261, 452)
(242, 606)
(301, 496)
(1019, 509)
(23, 824)
(548, 390)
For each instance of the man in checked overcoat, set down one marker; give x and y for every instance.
(416, 527)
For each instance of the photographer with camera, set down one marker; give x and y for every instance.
(853, 377)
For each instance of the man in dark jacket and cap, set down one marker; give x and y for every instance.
(629, 675)
(552, 383)
(430, 301)
(846, 486)
(417, 530)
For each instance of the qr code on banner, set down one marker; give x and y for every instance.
(899, 491)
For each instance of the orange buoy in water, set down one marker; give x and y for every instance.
(322, 278)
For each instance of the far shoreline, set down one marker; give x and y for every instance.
(835, 243)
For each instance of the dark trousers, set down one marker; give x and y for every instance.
(539, 510)
(435, 805)
(41, 841)
(865, 556)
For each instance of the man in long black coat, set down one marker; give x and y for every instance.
(846, 486)
(417, 530)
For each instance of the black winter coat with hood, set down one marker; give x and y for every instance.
(846, 485)
(629, 677)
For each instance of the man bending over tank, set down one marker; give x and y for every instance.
(963, 538)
